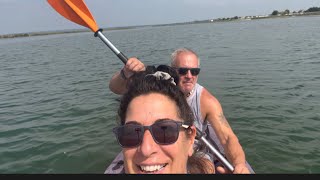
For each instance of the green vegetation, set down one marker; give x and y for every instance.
(56, 32)
(287, 11)
(39, 33)
(274, 14)
(313, 9)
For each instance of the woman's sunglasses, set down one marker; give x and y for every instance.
(164, 132)
(184, 71)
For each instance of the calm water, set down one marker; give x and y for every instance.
(56, 111)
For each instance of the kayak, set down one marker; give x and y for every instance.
(116, 166)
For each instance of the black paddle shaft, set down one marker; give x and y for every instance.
(120, 55)
(200, 136)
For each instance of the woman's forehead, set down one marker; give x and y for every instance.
(147, 109)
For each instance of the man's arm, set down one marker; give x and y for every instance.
(211, 108)
(118, 82)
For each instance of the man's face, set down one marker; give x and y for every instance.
(187, 79)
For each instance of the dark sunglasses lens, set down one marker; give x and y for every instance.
(129, 135)
(183, 71)
(165, 132)
(195, 71)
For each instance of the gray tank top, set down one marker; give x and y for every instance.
(194, 102)
(202, 124)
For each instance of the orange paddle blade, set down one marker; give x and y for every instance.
(76, 11)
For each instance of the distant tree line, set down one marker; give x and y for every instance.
(313, 9)
(287, 11)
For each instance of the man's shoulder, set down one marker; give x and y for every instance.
(208, 97)
(206, 92)
(209, 103)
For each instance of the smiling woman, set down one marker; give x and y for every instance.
(156, 130)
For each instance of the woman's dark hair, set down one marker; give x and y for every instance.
(146, 82)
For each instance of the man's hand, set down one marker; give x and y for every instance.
(133, 65)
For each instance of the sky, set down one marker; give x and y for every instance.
(23, 16)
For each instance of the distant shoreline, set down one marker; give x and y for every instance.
(18, 35)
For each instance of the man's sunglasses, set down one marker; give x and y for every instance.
(184, 71)
(164, 132)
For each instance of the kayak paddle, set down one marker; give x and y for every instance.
(77, 12)
(201, 136)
